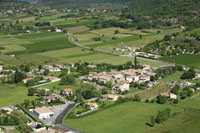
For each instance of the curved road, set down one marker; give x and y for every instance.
(62, 115)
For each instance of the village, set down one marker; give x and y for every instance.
(50, 103)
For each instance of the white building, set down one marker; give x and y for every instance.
(104, 79)
(123, 86)
(1, 68)
(43, 113)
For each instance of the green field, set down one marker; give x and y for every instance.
(14, 96)
(185, 59)
(174, 77)
(133, 118)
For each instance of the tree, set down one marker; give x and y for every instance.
(31, 91)
(30, 83)
(137, 98)
(117, 32)
(67, 80)
(26, 103)
(135, 61)
(152, 121)
(189, 74)
(109, 84)
(161, 99)
(46, 72)
(39, 67)
(175, 89)
(167, 38)
(18, 76)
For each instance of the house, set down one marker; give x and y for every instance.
(112, 97)
(104, 79)
(48, 99)
(54, 69)
(58, 129)
(66, 92)
(9, 109)
(43, 113)
(144, 78)
(52, 79)
(169, 95)
(41, 88)
(58, 30)
(123, 86)
(27, 79)
(72, 64)
(93, 106)
(1, 68)
(91, 66)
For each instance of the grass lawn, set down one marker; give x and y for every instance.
(60, 87)
(186, 122)
(185, 59)
(133, 118)
(174, 77)
(14, 96)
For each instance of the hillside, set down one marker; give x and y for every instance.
(171, 11)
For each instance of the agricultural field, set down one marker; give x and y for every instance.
(184, 59)
(108, 120)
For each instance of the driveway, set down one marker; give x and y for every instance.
(57, 111)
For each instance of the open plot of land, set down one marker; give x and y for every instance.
(33, 59)
(132, 115)
(65, 52)
(152, 92)
(12, 48)
(55, 85)
(78, 29)
(184, 59)
(12, 40)
(14, 96)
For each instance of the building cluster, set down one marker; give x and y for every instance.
(121, 79)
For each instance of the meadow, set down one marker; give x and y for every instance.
(184, 59)
(132, 115)
(13, 96)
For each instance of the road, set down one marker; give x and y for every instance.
(62, 115)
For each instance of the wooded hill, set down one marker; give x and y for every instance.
(185, 12)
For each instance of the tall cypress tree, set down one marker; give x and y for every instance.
(135, 61)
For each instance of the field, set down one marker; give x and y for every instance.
(132, 115)
(14, 96)
(185, 59)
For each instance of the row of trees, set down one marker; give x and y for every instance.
(15, 118)
(161, 116)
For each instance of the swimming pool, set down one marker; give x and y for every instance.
(42, 81)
